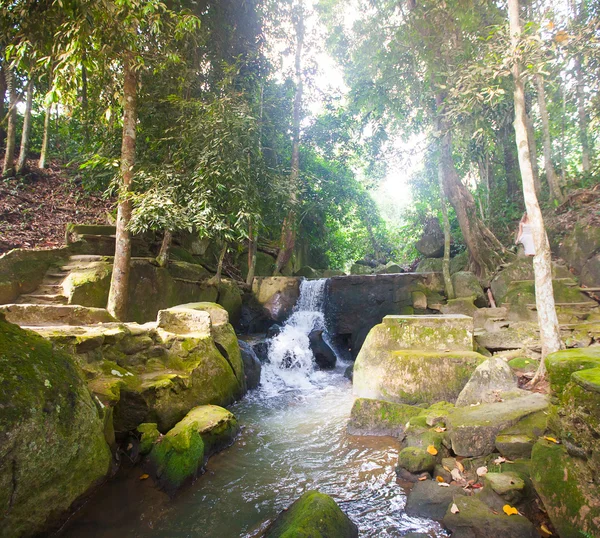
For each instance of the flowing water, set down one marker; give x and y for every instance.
(293, 439)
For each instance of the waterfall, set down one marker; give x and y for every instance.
(291, 361)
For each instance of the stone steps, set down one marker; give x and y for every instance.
(31, 298)
(54, 314)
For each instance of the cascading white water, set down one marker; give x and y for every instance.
(291, 361)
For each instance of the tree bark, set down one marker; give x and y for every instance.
(288, 229)
(582, 116)
(252, 247)
(542, 264)
(165, 247)
(555, 192)
(512, 181)
(217, 278)
(119, 284)
(26, 129)
(534, 155)
(2, 110)
(44, 150)
(8, 169)
(446, 224)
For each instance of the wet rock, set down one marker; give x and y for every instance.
(52, 444)
(475, 519)
(252, 366)
(324, 355)
(273, 331)
(567, 488)
(491, 378)
(429, 499)
(149, 434)
(473, 430)
(313, 514)
(377, 417)
(277, 295)
(262, 351)
(416, 460)
(177, 457)
(349, 372)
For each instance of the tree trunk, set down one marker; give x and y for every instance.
(534, 155)
(252, 247)
(446, 222)
(542, 264)
(44, 150)
(512, 181)
(8, 169)
(26, 129)
(119, 284)
(217, 278)
(165, 247)
(583, 120)
(2, 110)
(288, 229)
(555, 192)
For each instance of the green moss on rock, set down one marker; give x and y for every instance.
(377, 417)
(52, 445)
(562, 364)
(313, 515)
(416, 460)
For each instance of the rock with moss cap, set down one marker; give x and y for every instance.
(177, 457)
(474, 519)
(562, 364)
(473, 430)
(516, 442)
(52, 444)
(509, 486)
(313, 515)
(416, 460)
(567, 488)
(466, 284)
(378, 417)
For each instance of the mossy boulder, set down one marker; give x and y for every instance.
(377, 417)
(473, 430)
(474, 519)
(149, 434)
(466, 284)
(516, 442)
(567, 488)
(89, 286)
(361, 269)
(177, 457)
(265, 264)
(460, 262)
(462, 305)
(517, 335)
(416, 460)
(562, 364)
(510, 486)
(432, 415)
(313, 515)
(590, 274)
(523, 364)
(52, 444)
(276, 295)
(430, 265)
(581, 244)
(308, 272)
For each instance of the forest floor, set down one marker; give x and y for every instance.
(35, 209)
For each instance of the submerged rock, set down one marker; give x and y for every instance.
(252, 366)
(377, 417)
(314, 515)
(52, 444)
(324, 355)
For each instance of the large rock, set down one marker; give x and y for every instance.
(431, 243)
(377, 417)
(429, 499)
(474, 519)
(473, 430)
(513, 335)
(52, 444)
(466, 284)
(567, 488)
(324, 355)
(562, 364)
(31, 315)
(429, 265)
(308, 272)
(277, 295)
(590, 274)
(361, 269)
(315, 515)
(252, 366)
(177, 456)
(516, 442)
(489, 380)
(580, 245)
(416, 459)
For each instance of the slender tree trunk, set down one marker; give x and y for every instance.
(2, 109)
(555, 192)
(8, 169)
(542, 263)
(582, 115)
(217, 278)
(165, 247)
(512, 181)
(446, 223)
(534, 155)
(252, 247)
(288, 230)
(26, 129)
(44, 150)
(119, 284)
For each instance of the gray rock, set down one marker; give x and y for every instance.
(488, 381)
(252, 366)
(510, 486)
(466, 284)
(324, 355)
(377, 417)
(431, 244)
(429, 499)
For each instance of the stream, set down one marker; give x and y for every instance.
(293, 439)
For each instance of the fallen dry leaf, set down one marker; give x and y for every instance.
(481, 471)
(552, 440)
(439, 479)
(446, 468)
(439, 429)
(456, 475)
(421, 478)
(460, 466)
(454, 509)
(509, 510)
(545, 530)
(144, 476)
(443, 484)
(432, 450)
